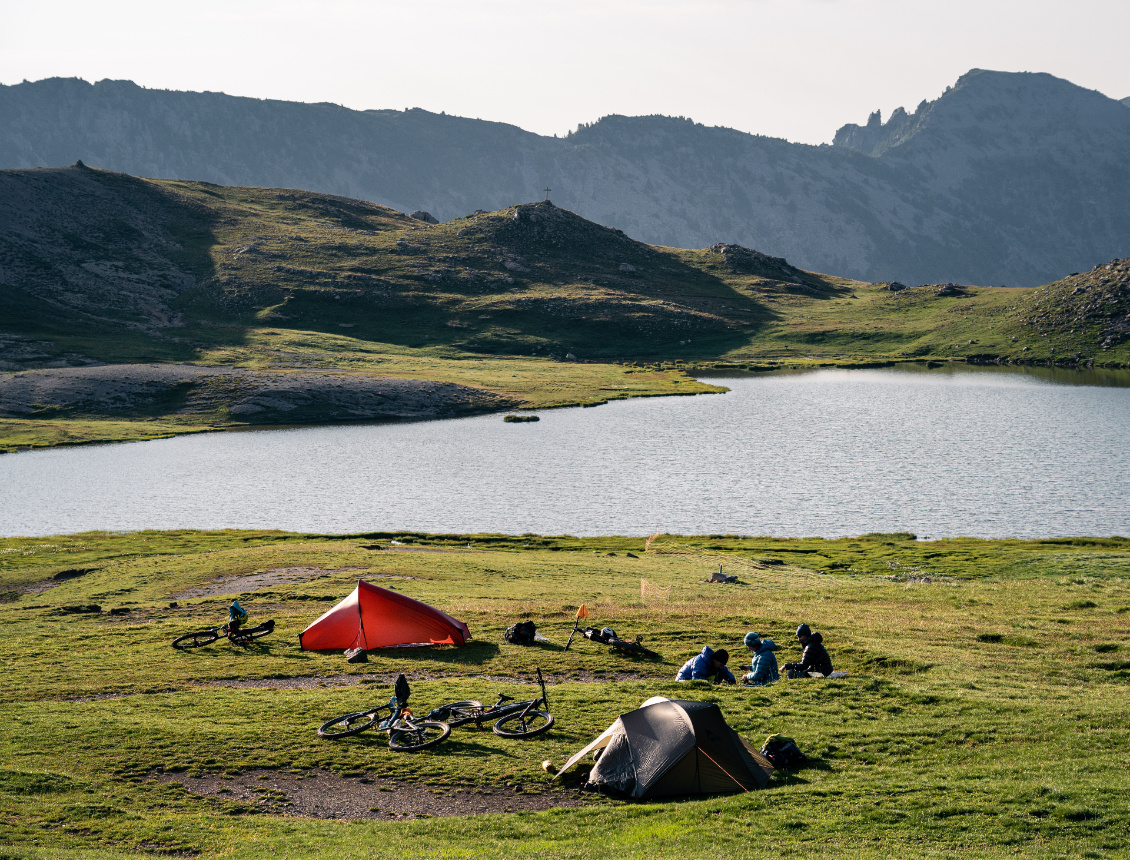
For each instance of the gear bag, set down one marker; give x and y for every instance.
(783, 752)
(522, 633)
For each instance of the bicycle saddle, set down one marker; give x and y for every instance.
(401, 689)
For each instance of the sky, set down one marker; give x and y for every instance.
(797, 69)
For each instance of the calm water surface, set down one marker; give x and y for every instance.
(829, 453)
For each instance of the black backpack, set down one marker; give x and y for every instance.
(521, 633)
(783, 752)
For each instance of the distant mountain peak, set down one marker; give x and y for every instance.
(1011, 108)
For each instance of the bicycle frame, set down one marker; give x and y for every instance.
(500, 709)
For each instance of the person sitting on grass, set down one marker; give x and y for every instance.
(710, 665)
(814, 659)
(763, 668)
(237, 617)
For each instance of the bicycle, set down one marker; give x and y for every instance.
(513, 719)
(241, 636)
(607, 636)
(405, 732)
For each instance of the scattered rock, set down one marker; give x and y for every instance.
(405, 247)
(627, 268)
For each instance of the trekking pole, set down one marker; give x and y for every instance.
(581, 613)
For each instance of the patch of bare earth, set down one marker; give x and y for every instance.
(323, 794)
(256, 581)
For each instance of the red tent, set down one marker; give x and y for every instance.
(373, 617)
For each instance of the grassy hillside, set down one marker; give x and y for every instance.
(532, 304)
(984, 714)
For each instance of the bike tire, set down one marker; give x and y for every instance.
(195, 640)
(523, 725)
(419, 736)
(245, 636)
(352, 724)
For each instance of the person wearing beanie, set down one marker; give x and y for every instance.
(709, 665)
(763, 668)
(814, 659)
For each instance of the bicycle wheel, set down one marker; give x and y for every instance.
(351, 724)
(195, 640)
(245, 636)
(420, 735)
(523, 725)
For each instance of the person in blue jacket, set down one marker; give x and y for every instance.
(763, 668)
(237, 617)
(707, 666)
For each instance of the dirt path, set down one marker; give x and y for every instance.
(267, 579)
(323, 794)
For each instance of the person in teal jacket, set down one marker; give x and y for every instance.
(707, 666)
(237, 617)
(763, 667)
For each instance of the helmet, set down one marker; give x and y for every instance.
(804, 630)
(752, 640)
(607, 633)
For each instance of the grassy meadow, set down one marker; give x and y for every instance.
(985, 713)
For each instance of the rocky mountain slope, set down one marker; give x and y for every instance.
(104, 267)
(1005, 179)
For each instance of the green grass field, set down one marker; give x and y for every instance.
(985, 713)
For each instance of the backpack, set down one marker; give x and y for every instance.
(522, 633)
(783, 752)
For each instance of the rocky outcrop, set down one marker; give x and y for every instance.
(746, 261)
(1095, 303)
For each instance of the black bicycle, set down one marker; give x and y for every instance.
(512, 719)
(607, 636)
(239, 636)
(405, 732)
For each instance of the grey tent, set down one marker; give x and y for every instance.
(666, 748)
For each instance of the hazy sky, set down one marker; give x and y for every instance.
(787, 68)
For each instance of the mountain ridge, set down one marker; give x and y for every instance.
(961, 190)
